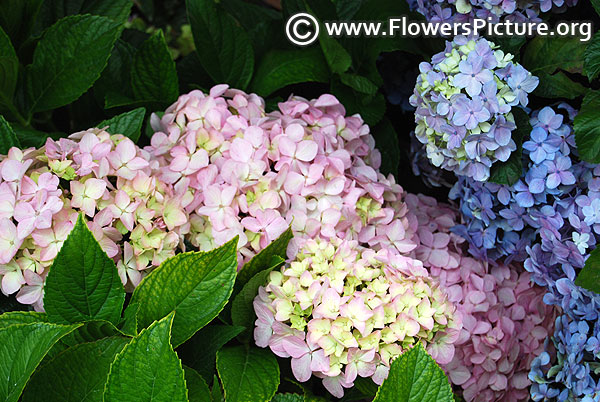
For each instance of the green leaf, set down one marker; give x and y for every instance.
(242, 310)
(9, 69)
(280, 68)
(510, 44)
(117, 10)
(216, 391)
(558, 85)
(54, 10)
(22, 348)
(596, 4)
(322, 9)
(415, 377)
(115, 80)
(192, 75)
(128, 324)
(510, 172)
(21, 317)
(77, 374)
(359, 83)
(224, 47)
(68, 60)
(147, 369)
(17, 18)
(264, 259)
(371, 108)
(30, 137)
(291, 7)
(83, 283)
(91, 331)
(591, 63)
(200, 351)
(153, 75)
(129, 124)
(386, 141)
(346, 9)
(288, 398)
(365, 51)
(248, 374)
(197, 285)
(587, 128)
(8, 138)
(337, 57)
(198, 390)
(589, 277)
(262, 24)
(548, 54)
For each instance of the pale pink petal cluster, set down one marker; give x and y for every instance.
(253, 173)
(505, 321)
(340, 310)
(138, 220)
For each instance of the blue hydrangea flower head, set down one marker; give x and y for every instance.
(463, 102)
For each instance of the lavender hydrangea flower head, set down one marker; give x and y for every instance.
(463, 103)
(340, 311)
(494, 10)
(504, 320)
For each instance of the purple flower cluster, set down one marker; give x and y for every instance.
(550, 219)
(464, 99)
(495, 10)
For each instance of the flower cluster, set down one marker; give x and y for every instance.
(552, 201)
(138, 220)
(549, 220)
(340, 310)
(252, 173)
(494, 10)
(575, 371)
(504, 320)
(422, 167)
(464, 100)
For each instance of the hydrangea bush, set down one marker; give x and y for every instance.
(504, 319)
(463, 101)
(224, 245)
(496, 11)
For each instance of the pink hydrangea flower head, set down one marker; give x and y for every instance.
(340, 310)
(253, 173)
(505, 321)
(106, 177)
